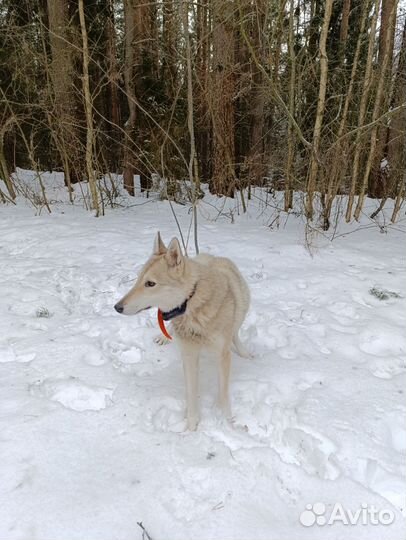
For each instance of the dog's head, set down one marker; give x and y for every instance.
(161, 282)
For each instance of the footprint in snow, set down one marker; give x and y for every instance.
(294, 441)
(73, 394)
(304, 446)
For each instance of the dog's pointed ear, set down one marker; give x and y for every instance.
(159, 246)
(174, 254)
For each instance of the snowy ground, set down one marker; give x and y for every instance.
(91, 408)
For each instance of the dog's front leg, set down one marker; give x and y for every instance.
(190, 359)
(224, 378)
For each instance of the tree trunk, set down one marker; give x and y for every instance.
(91, 176)
(4, 169)
(201, 90)
(169, 70)
(62, 37)
(366, 86)
(141, 73)
(397, 132)
(379, 98)
(340, 151)
(377, 179)
(314, 159)
(113, 87)
(193, 167)
(128, 172)
(344, 23)
(288, 199)
(256, 156)
(222, 99)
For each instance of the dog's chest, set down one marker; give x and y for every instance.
(188, 329)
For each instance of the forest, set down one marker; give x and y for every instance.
(293, 95)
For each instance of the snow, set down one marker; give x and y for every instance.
(91, 409)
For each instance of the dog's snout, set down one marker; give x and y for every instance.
(119, 308)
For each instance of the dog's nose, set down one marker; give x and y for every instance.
(119, 308)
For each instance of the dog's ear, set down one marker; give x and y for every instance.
(159, 246)
(174, 254)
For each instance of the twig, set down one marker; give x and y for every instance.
(192, 168)
(178, 225)
(145, 534)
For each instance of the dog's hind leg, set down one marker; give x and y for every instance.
(190, 359)
(224, 379)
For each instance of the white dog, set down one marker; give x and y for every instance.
(206, 298)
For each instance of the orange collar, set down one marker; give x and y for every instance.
(166, 316)
(162, 325)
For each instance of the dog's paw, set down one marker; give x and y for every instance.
(241, 350)
(245, 353)
(191, 423)
(160, 339)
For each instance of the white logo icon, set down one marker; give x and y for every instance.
(313, 514)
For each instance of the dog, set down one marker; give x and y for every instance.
(206, 299)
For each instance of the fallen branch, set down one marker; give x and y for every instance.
(145, 534)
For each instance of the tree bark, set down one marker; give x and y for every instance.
(4, 169)
(222, 99)
(193, 168)
(344, 23)
(340, 152)
(61, 37)
(397, 133)
(169, 70)
(201, 90)
(256, 156)
(129, 169)
(141, 73)
(314, 159)
(366, 86)
(113, 81)
(377, 180)
(376, 112)
(91, 176)
(288, 199)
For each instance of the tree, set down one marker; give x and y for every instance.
(91, 177)
(377, 110)
(377, 180)
(129, 77)
(314, 159)
(397, 133)
(63, 37)
(201, 90)
(222, 99)
(363, 106)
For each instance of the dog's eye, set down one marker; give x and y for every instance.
(150, 283)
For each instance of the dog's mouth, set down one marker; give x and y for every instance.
(143, 309)
(122, 310)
